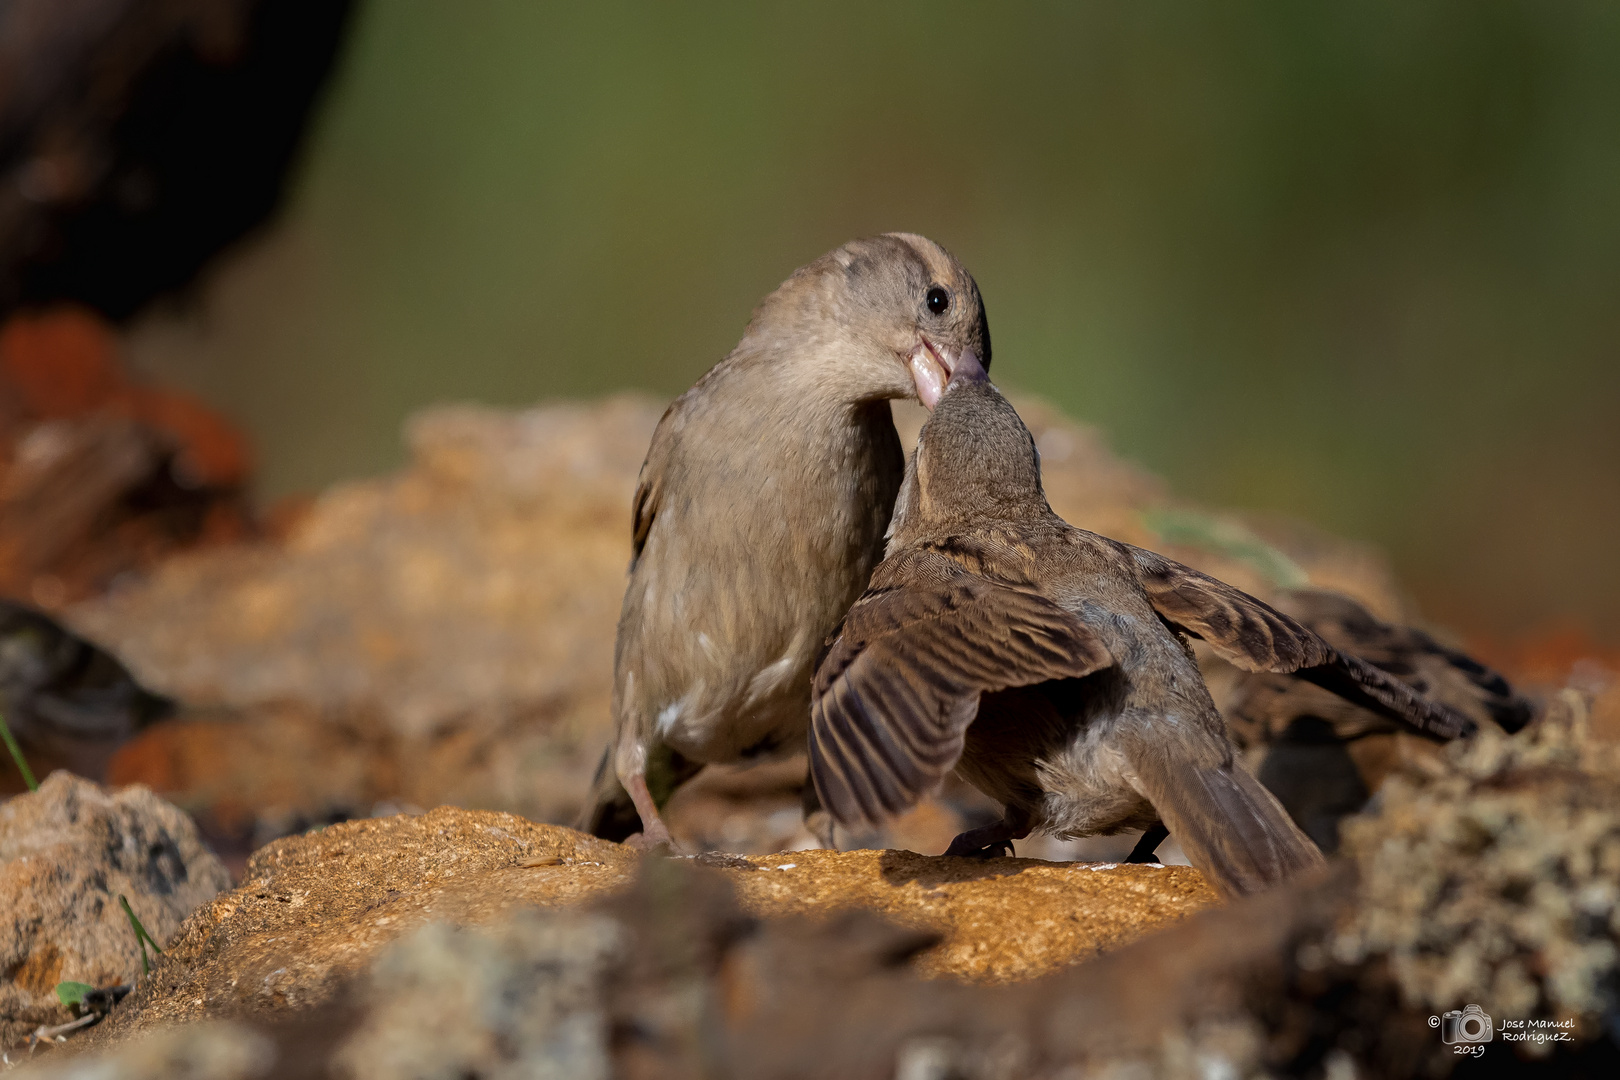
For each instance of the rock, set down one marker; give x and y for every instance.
(68, 704)
(512, 949)
(318, 909)
(100, 474)
(213, 1050)
(481, 582)
(1496, 879)
(1002, 920)
(523, 998)
(67, 852)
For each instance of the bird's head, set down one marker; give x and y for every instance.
(888, 316)
(976, 462)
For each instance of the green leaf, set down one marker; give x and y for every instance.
(17, 756)
(72, 993)
(142, 938)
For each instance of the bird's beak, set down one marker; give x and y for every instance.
(931, 368)
(967, 369)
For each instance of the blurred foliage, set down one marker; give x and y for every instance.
(1353, 262)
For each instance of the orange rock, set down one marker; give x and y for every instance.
(62, 362)
(212, 452)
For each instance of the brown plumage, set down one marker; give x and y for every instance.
(1323, 756)
(1048, 665)
(761, 510)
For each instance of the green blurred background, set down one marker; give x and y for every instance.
(1356, 263)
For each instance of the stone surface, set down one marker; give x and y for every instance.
(1000, 920)
(317, 909)
(212, 1050)
(1496, 878)
(67, 852)
(512, 949)
(484, 578)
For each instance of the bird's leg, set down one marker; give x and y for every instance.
(654, 833)
(992, 840)
(1144, 851)
(630, 762)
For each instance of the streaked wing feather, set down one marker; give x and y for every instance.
(901, 683)
(1253, 636)
(1245, 632)
(1360, 683)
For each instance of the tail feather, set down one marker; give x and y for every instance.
(608, 811)
(1231, 827)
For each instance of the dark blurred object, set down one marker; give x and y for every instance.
(1323, 757)
(70, 704)
(139, 137)
(100, 475)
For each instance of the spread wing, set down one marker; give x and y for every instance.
(896, 693)
(1253, 636)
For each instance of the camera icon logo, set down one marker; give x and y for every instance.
(1467, 1025)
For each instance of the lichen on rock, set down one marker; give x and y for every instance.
(1496, 880)
(67, 852)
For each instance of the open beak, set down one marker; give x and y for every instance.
(933, 368)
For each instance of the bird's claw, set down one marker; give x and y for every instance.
(652, 842)
(1000, 849)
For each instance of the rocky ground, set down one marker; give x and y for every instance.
(390, 704)
(473, 943)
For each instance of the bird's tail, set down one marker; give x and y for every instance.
(1230, 826)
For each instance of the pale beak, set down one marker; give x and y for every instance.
(931, 368)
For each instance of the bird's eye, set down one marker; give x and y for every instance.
(939, 301)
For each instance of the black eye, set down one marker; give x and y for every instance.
(939, 301)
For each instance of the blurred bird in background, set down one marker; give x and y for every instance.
(70, 704)
(1324, 757)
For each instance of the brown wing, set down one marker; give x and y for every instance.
(1253, 636)
(901, 684)
(1247, 633)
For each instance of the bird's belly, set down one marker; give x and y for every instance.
(1048, 751)
(1087, 790)
(766, 714)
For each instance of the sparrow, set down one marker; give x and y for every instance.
(1324, 757)
(760, 511)
(1051, 668)
(69, 703)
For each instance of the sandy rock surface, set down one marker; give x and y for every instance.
(474, 944)
(67, 852)
(1002, 920)
(317, 909)
(483, 578)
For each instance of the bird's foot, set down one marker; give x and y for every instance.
(1147, 847)
(653, 841)
(965, 846)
